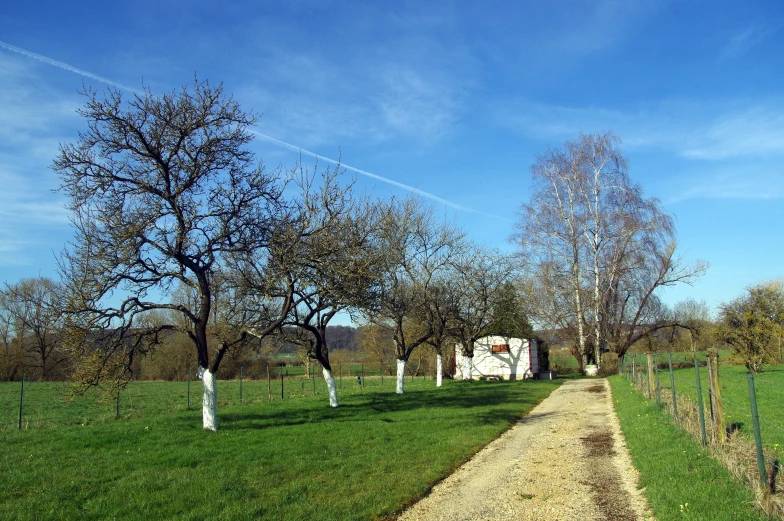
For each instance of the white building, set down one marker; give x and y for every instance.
(498, 356)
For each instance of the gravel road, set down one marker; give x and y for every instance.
(566, 460)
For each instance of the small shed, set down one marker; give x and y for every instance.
(499, 357)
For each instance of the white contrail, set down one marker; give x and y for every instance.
(70, 68)
(64, 66)
(374, 176)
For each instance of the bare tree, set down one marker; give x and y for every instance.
(441, 315)
(550, 233)
(481, 274)
(417, 249)
(162, 191)
(33, 310)
(336, 265)
(376, 343)
(12, 355)
(599, 248)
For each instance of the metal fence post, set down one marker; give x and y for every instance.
(21, 402)
(699, 402)
(281, 385)
(313, 378)
(672, 387)
(649, 375)
(240, 385)
(717, 407)
(189, 388)
(757, 436)
(656, 372)
(117, 412)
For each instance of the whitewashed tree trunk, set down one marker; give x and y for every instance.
(438, 371)
(468, 368)
(209, 408)
(401, 375)
(333, 391)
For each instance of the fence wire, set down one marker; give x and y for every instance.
(48, 404)
(736, 445)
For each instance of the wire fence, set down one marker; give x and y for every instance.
(734, 413)
(32, 405)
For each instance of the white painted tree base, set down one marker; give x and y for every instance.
(468, 363)
(401, 376)
(209, 404)
(331, 389)
(438, 371)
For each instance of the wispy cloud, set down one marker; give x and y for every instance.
(290, 146)
(64, 66)
(734, 149)
(417, 106)
(742, 42)
(690, 129)
(757, 131)
(584, 26)
(375, 176)
(739, 182)
(324, 101)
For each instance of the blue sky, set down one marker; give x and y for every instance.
(451, 98)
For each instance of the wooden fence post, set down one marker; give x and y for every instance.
(717, 408)
(651, 376)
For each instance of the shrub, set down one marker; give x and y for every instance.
(609, 364)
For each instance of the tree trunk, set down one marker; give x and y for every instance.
(401, 375)
(468, 368)
(439, 371)
(209, 411)
(333, 392)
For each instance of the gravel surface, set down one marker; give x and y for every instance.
(566, 460)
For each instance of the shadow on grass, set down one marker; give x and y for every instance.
(378, 406)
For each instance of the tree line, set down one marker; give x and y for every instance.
(182, 236)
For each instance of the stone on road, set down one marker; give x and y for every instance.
(566, 460)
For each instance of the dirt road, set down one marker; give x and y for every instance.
(566, 460)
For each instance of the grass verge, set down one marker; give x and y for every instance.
(680, 478)
(285, 460)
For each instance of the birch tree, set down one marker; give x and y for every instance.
(162, 190)
(549, 231)
(599, 247)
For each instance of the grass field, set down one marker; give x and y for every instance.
(733, 382)
(681, 481)
(47, 404)
(288, 459)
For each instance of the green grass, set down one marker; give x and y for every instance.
(47, 404)
(733, 381)
(289, 459)
(679, 356)
(563, 363)
(674, 468)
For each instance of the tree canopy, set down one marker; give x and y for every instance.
(597, 248)
(162, 191)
